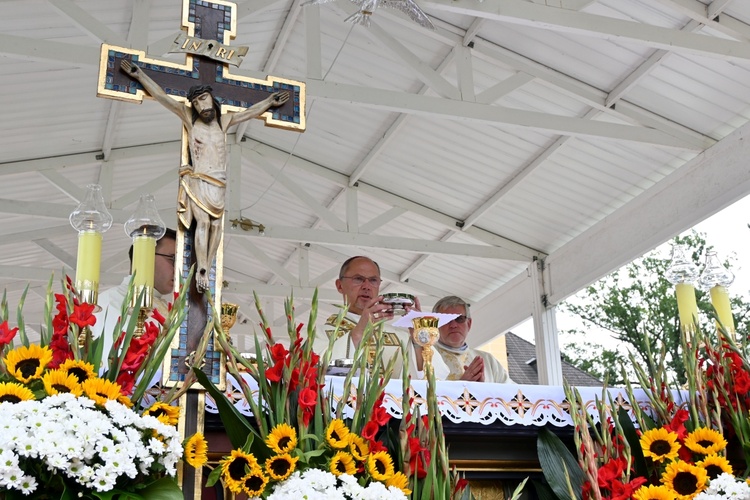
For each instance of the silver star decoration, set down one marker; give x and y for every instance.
(367, 8)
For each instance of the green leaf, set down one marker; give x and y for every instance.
(519, 489)
(628, 429)
(248, 443)
(313, 453)
(552, 455)
(235, 424)
(543, 491)
(162, 489)
(213, 477)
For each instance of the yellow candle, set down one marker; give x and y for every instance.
(144, 248)
(89, 260)
(720, 301)
(686, 305)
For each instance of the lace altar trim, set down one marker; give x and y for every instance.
(475, 402)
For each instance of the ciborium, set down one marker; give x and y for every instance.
(398, 302)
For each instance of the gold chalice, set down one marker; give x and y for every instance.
(425, 334)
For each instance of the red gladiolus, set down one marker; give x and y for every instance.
(461, 485)
(278, 352)
(622, 491)
(126, 380)
(420, 463)
(308, 398)
(370, 430)
(62, 304)
(376, 446)
(60, 349)
(155, 314)
(677, 425)
(6, 334)
(83, 315)
(275, 372)
(380, 415)
(610, 472)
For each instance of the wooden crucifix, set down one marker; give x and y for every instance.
(208, 99)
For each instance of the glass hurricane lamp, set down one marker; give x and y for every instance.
(145, 227)
(91, 219)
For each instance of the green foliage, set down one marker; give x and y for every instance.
(638, 307)
(560, 467)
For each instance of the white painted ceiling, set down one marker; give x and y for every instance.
(581, 133)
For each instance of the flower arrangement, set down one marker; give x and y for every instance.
(72, 425)
(694, 444)
(303, 444)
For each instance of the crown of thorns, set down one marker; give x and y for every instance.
(197, 90)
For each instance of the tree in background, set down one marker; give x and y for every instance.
(635, 304)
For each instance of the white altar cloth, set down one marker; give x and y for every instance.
(484, 403)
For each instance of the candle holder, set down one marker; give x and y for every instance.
(682, 273)
(425, 334)
(90, 218)
(715, 278)
(145, 227)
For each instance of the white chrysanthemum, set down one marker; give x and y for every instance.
(28, 485)
(74, 438)
(725, 486)
(315, 484)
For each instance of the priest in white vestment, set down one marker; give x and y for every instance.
(464, 362)
(111, 300)
(359, 284)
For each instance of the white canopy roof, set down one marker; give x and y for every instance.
(581, 133)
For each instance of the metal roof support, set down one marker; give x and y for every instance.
(548, 362)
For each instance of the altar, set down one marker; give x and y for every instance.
(490, 429)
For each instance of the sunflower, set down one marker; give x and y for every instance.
(400, 481)
(101, 390)
(58, 381)
(380, 466)
(684, 480)
(282, 439)
(653, 493)
(164, 413)
(125, 400)
(235, 467)
(254, 482)
(337, 434)
(342, 463)
(660, 444)
(705, 441)
(13, 392)
(359, 447)
(281, 467)
(79, 368)
(715, 466)
(28, 363)
(196, 449)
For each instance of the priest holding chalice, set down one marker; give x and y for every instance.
(359, 284)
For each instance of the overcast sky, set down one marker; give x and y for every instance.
(727, 231)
